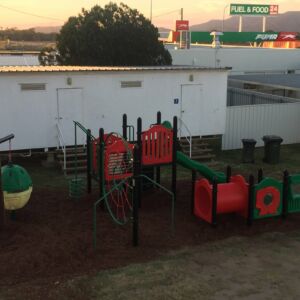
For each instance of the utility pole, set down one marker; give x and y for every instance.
(151, 11)
(181, 14)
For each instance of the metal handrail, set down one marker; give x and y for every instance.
(62, 144)
(84, 129)
(7, 138)
(189, 138)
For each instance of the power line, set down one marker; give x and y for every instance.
(167, 13)
(30, 14)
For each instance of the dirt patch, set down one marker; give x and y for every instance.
(52, 236)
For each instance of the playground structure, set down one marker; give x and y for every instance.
(116, 162)
(16, 184)
(265, 199)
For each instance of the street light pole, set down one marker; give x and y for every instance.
(224, 17)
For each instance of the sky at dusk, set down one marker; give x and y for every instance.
(164, 12)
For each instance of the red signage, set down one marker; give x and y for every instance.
(182, 25)
(287, 36)
(274, 9)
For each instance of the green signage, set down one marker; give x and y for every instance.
(234, 37)
(253, 9)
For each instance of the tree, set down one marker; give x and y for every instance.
(113, 35)
(49, 57)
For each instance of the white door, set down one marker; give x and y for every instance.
(191, 102)
(69, 109)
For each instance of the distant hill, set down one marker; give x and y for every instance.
(289, 21)
(48, 29)
(56, 29)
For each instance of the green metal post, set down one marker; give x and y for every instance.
(89, 161)
(285, 192)
(174, 162)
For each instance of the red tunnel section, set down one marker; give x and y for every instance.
(231, 197)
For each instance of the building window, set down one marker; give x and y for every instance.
(33, 86)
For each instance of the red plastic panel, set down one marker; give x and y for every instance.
(118, 161)
(274, 201)
(157, 145)
(109, 139)
(232, 197)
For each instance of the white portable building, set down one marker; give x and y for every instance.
(36, 101)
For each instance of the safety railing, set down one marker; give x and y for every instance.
(61, 144)
(188, 137)
(77, 124)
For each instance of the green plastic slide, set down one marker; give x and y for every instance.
(206, 172)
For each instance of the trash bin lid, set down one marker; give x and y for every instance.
(249, 141)
(272, 138)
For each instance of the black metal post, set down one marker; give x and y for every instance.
(124, 127)
(1, 202)
(194, 176)
(285, 192)
(136, 200)
(250, 200)
(89, 161)
(228, 173)
(101, 162)
(139, 147)
(260, 175)
(174, 162)
(214, 202)
(158, 121)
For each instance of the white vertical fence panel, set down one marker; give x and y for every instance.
(255, 121)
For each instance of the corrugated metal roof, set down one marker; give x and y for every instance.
(19, 60)
(24, 69)
(286, 81)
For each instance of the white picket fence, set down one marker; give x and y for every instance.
(255, 121)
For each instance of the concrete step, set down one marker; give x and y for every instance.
(203, 157)
(73, 162)
(70, 170)
(70, 155)
(72, 150)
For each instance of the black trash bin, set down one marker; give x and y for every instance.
(272, 148)
(248, 150)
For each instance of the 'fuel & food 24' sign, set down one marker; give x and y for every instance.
(253, 9)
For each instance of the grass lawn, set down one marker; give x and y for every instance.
(263, 266)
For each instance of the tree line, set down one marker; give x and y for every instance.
(26, 35)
